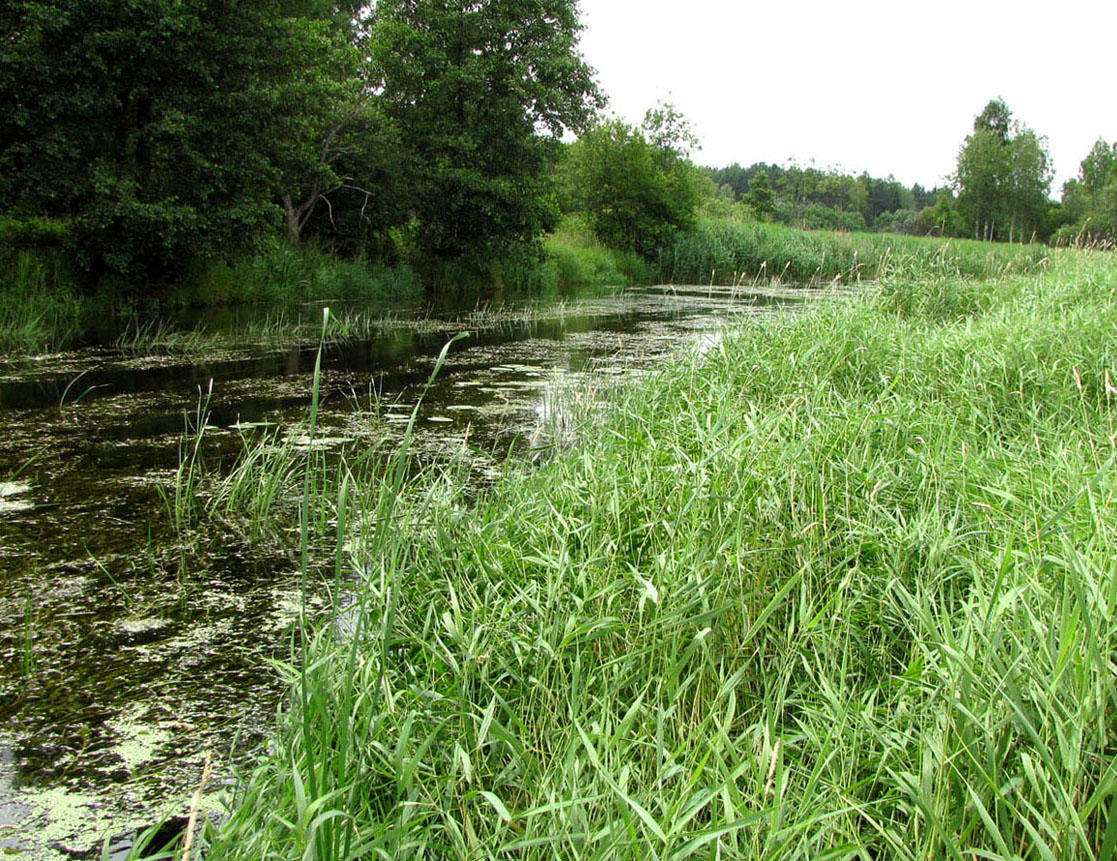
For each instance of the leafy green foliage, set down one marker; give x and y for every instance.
(1003, 177)
(1090, 201)
(635, 192)
(147, 137)
(829, 199)
(480, 93)
(761, 197)
(154, 130)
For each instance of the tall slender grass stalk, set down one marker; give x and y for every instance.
(182, 502)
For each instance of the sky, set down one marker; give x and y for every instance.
(863, 85)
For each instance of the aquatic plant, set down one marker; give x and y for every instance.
(40, 309)
(159, 337)
(182, 502)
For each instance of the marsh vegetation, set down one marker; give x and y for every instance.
(839, 586)
(150, 511)
(644, 567)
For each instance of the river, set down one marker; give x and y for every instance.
(129, 648)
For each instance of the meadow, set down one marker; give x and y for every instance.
(842, 586)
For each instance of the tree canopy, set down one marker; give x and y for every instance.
(480, 93)
(147, 135)
(635, 184)
(1003, 176)
(154, 132)
(1090, 200)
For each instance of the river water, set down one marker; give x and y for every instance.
(128, 652)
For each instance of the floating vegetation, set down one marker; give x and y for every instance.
(13, 496)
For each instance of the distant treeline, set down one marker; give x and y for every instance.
(827, 199)
(999, 191)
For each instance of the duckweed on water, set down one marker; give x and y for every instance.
(13, 496)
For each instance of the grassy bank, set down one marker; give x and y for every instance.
(284, 275)
(43, 307)
(40, 307)
(727, 252)
(577, 262)
(841, 587)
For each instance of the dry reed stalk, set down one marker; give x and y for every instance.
(195, 803)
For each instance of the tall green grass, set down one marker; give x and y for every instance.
(578, 263)
(842, 587)
(571, 264)
(284, 274)
(40, 307)
(726, 252)
(44, 307)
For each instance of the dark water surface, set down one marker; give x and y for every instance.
(125, 656)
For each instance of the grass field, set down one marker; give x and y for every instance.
(842, 587)
(727, 252)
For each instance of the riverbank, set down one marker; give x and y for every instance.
(841, 584)
(723, 252)
(43, 309)
(139, 551)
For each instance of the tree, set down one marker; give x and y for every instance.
(996, 119)
(734, 176)
(1029, 180)
(1090, 201)
(666, 129)
(980, 178)
(1093, 172)
(151, 130)
(1107, 203)
(942, 219)
(480, 93)
(761, 197)
(635, 193)
(334, 115)
(1003, 176)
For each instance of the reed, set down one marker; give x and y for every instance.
(40, 310)
(730, 253)
(183, 499)
(842, 586)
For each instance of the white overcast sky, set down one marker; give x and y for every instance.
(886, 87)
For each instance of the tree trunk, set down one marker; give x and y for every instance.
(291, 217)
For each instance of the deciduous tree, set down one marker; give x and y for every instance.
(154, 131)
(635, 193)
(481, 92)
(1003, 176)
